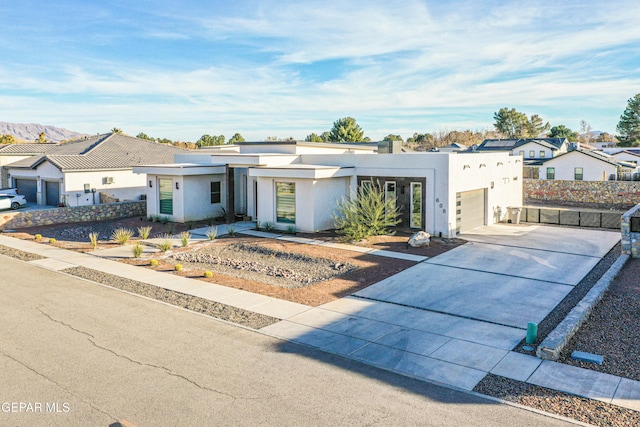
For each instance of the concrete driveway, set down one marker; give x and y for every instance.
(506, 274)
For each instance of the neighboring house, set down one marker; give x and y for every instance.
(586, 165)
(74, 173)
(631, 156)
(453, 147)
(11, 153)
(532, 150)
(298, 184)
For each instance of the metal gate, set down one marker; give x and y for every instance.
(470, 210)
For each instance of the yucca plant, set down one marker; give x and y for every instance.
(144, 232)
(231, 230)
(137, 250)
(211, 233)
(166, 244)
(366, 214)
(184, 238)
(268, 226)
(93, 238)
(122, 235)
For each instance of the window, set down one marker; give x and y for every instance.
(532, 154)
(216, 193)
(286, 202)
(389, 196)
(551, 173)
(366, 186)
(542, 154)
(577, 174)
(416, 205)
(166, 196)
(521, 153)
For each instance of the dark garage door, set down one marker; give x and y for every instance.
(28, 188)
(52, 190)
(470, 208)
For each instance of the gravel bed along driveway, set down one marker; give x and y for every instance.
(266, 265)
(199, 305)
(17, 253)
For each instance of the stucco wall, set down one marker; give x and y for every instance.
(596, 194)
(12, 220)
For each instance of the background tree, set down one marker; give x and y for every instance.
(313, 138)
(605, 137)
(391, 138)
(561, 131)
(346, 130)
(207, 140)
(324, 136)
(629, 125)
(236, 138)
(514, 124)
(116, 130)
(585, 135)
(143, 135)
(7, 139)
(42, 137)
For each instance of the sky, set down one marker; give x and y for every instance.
(287, 68)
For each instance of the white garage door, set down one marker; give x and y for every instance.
(470, 209)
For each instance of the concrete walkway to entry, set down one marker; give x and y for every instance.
(448, 319)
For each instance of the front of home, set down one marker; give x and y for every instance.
(586, 165)
(298, 185)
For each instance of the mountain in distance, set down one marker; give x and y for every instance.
(31, 132)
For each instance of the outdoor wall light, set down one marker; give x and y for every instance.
(482, 165)
(499, 163)
(150, 184)
(466, 167)
(177, 185)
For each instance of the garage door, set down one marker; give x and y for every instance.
(470, 209)
(52, 190)
(28, 188)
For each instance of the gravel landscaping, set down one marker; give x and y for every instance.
(17, 253)
(588, 411)
(199, 305)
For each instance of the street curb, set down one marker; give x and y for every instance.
(555, 342)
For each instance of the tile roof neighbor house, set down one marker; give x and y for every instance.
(298, 184)
(10, 153)
(587, 165)
(532, 150)
(71, 174)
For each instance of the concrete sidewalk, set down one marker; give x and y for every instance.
(424, 344)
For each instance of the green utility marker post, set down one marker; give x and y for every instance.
(532, 332)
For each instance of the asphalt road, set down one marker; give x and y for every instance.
(73, 353)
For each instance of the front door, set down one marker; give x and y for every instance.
(165, 196)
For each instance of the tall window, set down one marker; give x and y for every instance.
(216, 193)
(532, 154)
(577, 174)
(390, 196)
(416, 205)
(551, 173)
(165, 190)
(286, 202)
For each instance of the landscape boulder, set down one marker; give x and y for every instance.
(419, 239)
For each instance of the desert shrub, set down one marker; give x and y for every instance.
(93, 238)
(231, 230)
(177, 267)
(291, 229)
(366, 214)
(166, 244)
(38, 236)
(211, 233)
(208, 274)
(137, 250)
(268, 226)
(184, 238)
(121, 235)
(52, 240)
(144, 232)
(153, 263)
(211, 221)
(189, 225)
(172, 228)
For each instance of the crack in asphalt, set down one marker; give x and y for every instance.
(168, 371)
(57, 384)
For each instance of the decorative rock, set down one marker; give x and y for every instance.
(419, 239)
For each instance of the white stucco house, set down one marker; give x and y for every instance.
(586, 165)
(530, 149)
(11, 153)
(75, 173)
(298, 184)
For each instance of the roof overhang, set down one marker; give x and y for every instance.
(181, 169)
(303, 171)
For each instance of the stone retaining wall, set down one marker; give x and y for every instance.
(18, 219)
(630, 239)
(588, 194)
